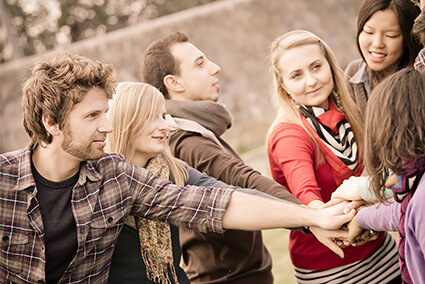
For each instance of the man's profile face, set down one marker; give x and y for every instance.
(86, 127)
(198, 75)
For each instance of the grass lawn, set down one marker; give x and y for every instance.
(276, 242)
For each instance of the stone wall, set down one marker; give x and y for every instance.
(235, 34)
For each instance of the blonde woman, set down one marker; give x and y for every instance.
(314, 144)
(147, 251)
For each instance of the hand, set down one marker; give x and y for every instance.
(342, 243)
(328, 237)
(355, 204)
(334, 217)
(359, 236)
(366, 236)
(354, 230)
(348, 189)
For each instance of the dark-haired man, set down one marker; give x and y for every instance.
(189, 82)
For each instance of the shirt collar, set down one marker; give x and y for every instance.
(88, 170)
(24, 175)
(361, 76)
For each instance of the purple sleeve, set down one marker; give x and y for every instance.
(380, 217)
(415, 234)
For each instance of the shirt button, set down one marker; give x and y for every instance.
(5, 238)
(110, 219)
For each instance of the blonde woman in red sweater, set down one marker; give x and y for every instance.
(314, 144)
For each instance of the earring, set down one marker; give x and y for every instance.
(337, 100)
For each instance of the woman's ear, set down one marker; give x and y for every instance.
(173, 84)
(50, 126)
(284, 88)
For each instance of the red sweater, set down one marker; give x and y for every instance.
(292, 156)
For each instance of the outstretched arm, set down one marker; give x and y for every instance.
(250, 212)
(207, 156)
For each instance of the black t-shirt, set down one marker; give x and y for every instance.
(60, 237)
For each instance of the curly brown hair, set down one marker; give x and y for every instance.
(55, 86)
(395, 128)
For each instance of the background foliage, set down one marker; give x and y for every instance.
(33, 26)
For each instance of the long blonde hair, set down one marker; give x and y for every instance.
(340, 96)
(134, 107)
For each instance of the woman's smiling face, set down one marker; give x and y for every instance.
(307, 75)
(381, 41)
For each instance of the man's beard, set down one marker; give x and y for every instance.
(79, 149)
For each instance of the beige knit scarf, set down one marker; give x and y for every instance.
(155, 236)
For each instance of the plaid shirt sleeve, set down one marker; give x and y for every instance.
(198, 208)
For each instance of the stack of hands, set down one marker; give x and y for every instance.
(350, 233)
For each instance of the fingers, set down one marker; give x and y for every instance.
(333, 202)
(349, 214)
(328, 238)
(350, 205)
(365, 236)
(333, 218)
(340, 235)
(342, 244)
(356, 204)
(334, 247)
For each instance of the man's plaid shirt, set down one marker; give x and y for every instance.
(107, 191)
(420, 60)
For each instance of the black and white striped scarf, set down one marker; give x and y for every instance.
(341, 142)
